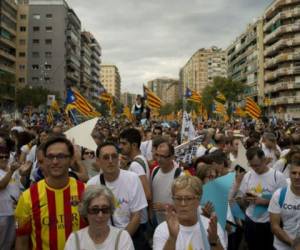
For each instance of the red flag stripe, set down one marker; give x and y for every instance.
(52, 220)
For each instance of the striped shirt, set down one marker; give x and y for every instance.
(49, 215)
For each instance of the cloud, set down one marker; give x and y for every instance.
(149, 39)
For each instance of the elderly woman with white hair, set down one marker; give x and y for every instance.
(184, 227)
(97, 207)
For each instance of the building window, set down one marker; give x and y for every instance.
(22, 54)
(48, 41)
(35, 66)
(22, 42)
(49, 28)
(47, 79)
(22, 28)
(21, 67)
(35, 41)
(48, 66)
(36, 16)
(35, 79)
(49, 15)
(48, 54)
(35, 54)
(21, 80)
(36, 28)
(23, 16)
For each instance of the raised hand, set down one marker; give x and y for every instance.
(213, 229)
(172, 221)
(208, 209)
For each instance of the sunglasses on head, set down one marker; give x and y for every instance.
(96, 210)
(4, 157)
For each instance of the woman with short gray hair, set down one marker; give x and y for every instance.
(97, 207)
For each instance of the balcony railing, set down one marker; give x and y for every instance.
(281, 72)
(281, 30)
(282, 15)
(7, 55)
(269, 88)
(6, 68)
(274, 6)
(285, 100)
(281, 58)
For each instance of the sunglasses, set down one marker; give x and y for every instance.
(88, 153)
(4, 157)
(96, 210)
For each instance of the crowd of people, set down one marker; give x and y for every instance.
(132, 192)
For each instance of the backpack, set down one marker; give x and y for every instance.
(176, 174)
(141, 162)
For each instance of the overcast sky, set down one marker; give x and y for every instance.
(147, 39)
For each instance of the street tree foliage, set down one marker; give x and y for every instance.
(229, 88)
(7, 88)
(33, 96)
(167, 109)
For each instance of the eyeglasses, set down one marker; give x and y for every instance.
(186, 199)
(96, 210)
(89, 153)
(162, 156)
(4, 157)
(58, 157)
(111, 157)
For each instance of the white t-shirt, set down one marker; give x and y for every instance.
(188, 237)
(9, 195)
(146, 149)
(262, 185)
(270, 153)
(86, 243)
(129, 196)
(290, 215)
(140, 171)
(281, 166)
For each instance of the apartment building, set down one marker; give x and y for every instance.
(54, 45)
(128, 99)
(110, 79)
(85, 64)
(22, 43)
(167, 89)
(245, 60)
(282, 57)
(8, 14)
(202, 67)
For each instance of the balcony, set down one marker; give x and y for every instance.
(271, 10)
(281, 72)
(279, 31)
(7, 56)
(270, 63)
(73, 75)
(285, 100)
(8, 69)
(269, 88)
(7, 42)
(282, 15)
(273, 50)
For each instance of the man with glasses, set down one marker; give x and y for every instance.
(126, 187)
(255, 193)
(162, 178)
(47, 212)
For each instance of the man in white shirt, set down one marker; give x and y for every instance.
(255, 191)
(162, 178)
(201, 150)
(285, 207)
(127, 188)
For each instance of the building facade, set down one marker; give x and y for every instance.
(54, 45)
(202, 67)
(111, 80)
(8, 28)
(128, 99)
(167, 89)
(245, 60)
(282, 57)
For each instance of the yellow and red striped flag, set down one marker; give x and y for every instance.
(192, 96)
(252, 109)
(76, 101)
(153, 101)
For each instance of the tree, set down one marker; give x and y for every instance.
(229, 88)
(34, 96)
(166, 109)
